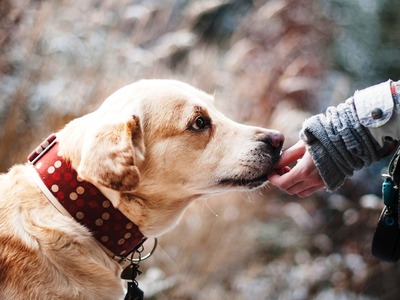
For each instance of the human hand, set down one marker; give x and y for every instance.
(303, 179)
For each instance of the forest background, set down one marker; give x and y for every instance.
(270, 63)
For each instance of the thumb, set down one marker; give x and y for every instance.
(291, 154)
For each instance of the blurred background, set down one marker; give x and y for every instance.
(270, 63)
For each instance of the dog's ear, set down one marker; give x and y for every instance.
(110, 156)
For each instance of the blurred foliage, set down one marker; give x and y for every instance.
(366, 39)
(270, 63)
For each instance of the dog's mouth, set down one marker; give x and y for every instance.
(251, 182)
(245, 182)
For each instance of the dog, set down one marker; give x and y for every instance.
(141, 158)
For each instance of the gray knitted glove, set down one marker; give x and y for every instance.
(339, 144)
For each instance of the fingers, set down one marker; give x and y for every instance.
(304, 188)
(296, 185)
(303, 179)
(283, 170)
(291, 154)
(308, 192)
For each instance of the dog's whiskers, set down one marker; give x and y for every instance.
(210, 209)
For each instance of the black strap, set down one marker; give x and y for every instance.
(386, 240)
(394, 167)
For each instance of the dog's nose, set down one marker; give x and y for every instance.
(274, 138)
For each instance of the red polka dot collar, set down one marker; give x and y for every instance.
(83, 201)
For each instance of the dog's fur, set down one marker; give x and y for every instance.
(152, 148)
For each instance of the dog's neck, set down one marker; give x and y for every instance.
(83, 201)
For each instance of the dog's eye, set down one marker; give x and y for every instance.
(200, 124)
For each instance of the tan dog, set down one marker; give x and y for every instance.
(152, 148)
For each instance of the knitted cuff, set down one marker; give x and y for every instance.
(339, 144)
(331, 175)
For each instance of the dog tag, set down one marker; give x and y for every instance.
(134, 293)
(131, 272)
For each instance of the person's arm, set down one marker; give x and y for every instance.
(344, 139)
(391, 126)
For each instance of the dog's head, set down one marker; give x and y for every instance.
(162, 143)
